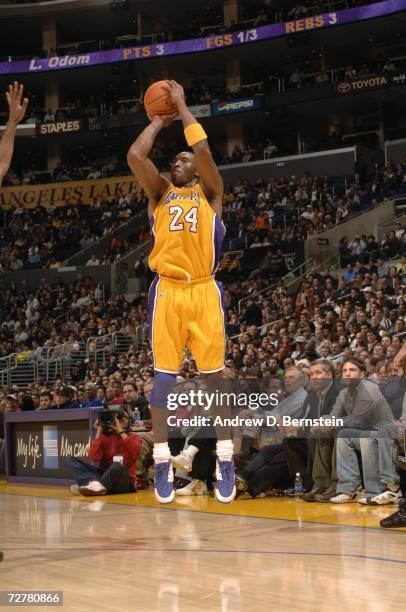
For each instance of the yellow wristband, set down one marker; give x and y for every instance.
(194, 133)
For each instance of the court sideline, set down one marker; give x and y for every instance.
(198, 554)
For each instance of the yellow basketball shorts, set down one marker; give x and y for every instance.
(187, 314)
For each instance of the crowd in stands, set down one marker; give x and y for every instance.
(263, 213)
(45, 237)
(112, 102)
(272, 336)
(392, 70)
(32, 316)
(293, 209)
(31, 172)
(285, 340)
(115, 103)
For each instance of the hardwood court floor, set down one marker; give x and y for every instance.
(123, 553)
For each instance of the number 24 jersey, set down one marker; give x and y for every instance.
(186, 235)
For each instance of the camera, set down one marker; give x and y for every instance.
(106, 418)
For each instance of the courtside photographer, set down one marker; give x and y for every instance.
(116, 449)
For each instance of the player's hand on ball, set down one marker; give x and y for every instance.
(176, 93)
(16, 108)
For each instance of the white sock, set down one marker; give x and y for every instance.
(161, 452)
(191, 451)
(225, 449)
(393, 487)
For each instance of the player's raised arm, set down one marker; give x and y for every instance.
(16, 114)
(144, 169)
(196, 138)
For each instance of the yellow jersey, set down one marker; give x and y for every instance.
(186, 235)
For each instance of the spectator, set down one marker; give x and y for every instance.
(64, 399)
(49, 116)
(117, 450)
(45, 401)
(93, 261)
(363, 409)
(92, 400)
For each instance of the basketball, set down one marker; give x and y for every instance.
(157, 101)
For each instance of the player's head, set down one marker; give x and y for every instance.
(183, 169)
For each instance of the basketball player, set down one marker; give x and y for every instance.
(15, 115)
(186, 304)
(16, 112)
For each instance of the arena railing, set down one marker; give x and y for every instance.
(300, 270)
(122, 231)
(58, 361)
(99, 349)
(122, 270)
(330, 264)
(141, 335)
(123, 343)
(79, 309)
(327, 265)
(400, 217)
(4, 363)
(20, 370)
(264, 328)
(50, 363)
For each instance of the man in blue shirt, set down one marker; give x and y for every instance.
(350, 274)
(92, 400)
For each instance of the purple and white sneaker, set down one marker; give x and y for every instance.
(163, 482)
(225, 486)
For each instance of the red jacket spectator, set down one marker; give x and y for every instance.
(117, 401)
(103, 449)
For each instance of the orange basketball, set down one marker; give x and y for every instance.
(157, 101)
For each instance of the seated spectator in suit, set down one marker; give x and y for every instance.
(302, 449)
(269, 469)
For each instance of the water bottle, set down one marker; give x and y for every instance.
(136, 415)
(298, 485)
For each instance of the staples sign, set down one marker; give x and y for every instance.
(62, 127)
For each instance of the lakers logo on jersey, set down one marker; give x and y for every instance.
(186, 235)
(173, 195)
